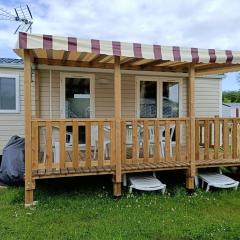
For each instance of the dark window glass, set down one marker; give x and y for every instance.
(170, 99)
(148, 99)
(7, 93)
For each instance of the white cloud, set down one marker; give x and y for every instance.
(193, 23)
(208, 24)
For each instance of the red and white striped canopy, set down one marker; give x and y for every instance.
(136, 50)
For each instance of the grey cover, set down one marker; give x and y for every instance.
(12, 167)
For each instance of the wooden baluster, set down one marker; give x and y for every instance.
(35, 145)
(156, 142)
(197, 139)
(145, 141)
(178, 143)
(62, 144)
(201, 125)
(123, 137)
(225, 138)
(135, 148)
(49, 145)
(167, 141)
(88, 144)
(234, 140)
(112, 143)
(210, 134)
(188, 137)
(75, 144)
(100, 143)
(206, 140)
(216, 138)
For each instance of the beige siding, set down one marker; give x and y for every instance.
(13, 123)
(45, 100)
(104, 96)
(208, 97)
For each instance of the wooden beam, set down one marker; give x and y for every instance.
(29, 185)
(154, 63)
(81, 56)
(102, 65)
(130, 62)
(98, 58)
(117, 108)
(218, 70)
(37, 93)
(65, 56)
(191, 112)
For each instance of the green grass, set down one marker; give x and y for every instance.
(83, 208)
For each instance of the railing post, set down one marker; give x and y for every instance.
(29, 183)
(117, 179)
(191, 112)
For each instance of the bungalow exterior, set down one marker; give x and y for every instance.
(99, 107)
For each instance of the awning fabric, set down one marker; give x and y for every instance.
(136, 50)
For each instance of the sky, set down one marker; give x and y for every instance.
(190, 23)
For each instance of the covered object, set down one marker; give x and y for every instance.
(12, 166)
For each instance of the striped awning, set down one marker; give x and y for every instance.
(132, 50)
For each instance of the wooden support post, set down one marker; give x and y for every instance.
(191, 112)
(29, 183)
(117, 106)
(37, 94)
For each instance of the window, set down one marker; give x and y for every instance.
(158, 97)
(9, 93)
(77, 98)
(148, 99)
(170, 99)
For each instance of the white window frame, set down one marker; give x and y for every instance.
(17, 98)
(159, 81)
(63, 76)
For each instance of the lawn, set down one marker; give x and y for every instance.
(83, 208)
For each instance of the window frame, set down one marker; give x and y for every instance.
(159, 81)
(17, 92)
(63, 76)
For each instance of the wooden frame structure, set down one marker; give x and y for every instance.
(202, 147)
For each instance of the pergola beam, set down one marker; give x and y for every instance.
(104, 65)
(218, 70)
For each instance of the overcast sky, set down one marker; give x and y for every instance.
(191, 23)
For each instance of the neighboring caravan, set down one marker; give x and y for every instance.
(231, 110)
(11, 99)
(100, 107)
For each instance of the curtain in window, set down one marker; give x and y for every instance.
(7, 93)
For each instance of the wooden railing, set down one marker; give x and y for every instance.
(155, 140)
(62, 145)
(72, 143)
(217, 138)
